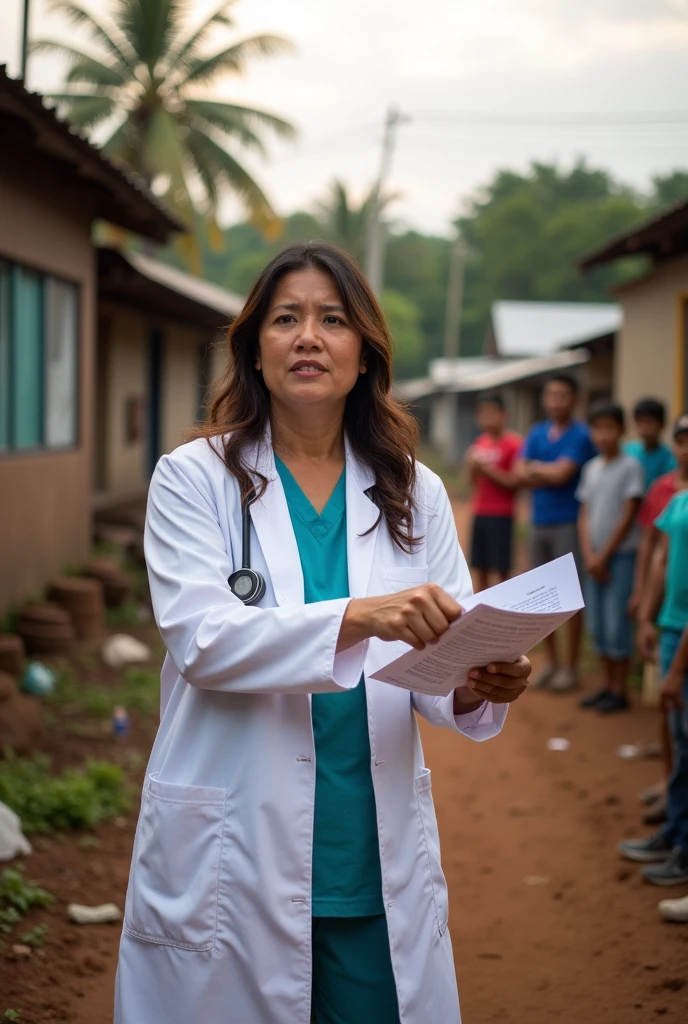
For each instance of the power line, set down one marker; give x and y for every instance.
(549, 120)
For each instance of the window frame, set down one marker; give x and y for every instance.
(10, 450)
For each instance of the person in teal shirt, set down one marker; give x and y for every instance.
(347, 881)
(666, 852)
(299, 841)
(654, 456)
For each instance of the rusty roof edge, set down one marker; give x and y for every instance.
(35, 102)
(618, 246)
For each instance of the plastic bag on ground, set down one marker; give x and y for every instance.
(12, 839)
(121, 650)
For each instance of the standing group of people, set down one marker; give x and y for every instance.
(622, 510)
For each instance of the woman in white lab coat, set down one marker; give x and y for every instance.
(286, 864)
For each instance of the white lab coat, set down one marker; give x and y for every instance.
(217, 924)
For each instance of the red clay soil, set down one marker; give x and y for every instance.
(548, 924)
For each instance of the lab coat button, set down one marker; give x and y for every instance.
(378, 763)
(301, 758)
(390, 905)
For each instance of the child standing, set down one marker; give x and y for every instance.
(610, 493)
(666, 852)
(490, 460)
(657, 498)
(655, 457)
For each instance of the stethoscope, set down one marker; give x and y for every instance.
(246, 583)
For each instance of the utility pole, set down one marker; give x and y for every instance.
(452, 320)
(25, 41)
(375, 246)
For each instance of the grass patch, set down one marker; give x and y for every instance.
(74, 799)
(35, 937)
(124, 617)
(18, 897)
(139, 691)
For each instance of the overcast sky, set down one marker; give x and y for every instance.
(437, 59)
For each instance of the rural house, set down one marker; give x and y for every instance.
(652, 346)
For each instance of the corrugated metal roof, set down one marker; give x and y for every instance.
(210, 295)
(459, 375)
(525, 329)
(125, 198)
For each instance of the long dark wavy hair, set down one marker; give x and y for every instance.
(380, 430)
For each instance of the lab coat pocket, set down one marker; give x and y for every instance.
(431, 843)
(173, 890)
(403, 577)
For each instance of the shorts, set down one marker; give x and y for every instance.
(550, 542)
(491, 543)
(606, 608)
(353, 981)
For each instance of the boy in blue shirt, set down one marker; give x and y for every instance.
(654, 456)
(554, 454)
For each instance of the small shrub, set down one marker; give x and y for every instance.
(36, 936)
(17, 897)
(71, 800)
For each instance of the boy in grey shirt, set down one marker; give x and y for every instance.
(610, 491)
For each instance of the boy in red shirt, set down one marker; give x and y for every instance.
(491, 459)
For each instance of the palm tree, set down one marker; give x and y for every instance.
(144, 79)
(346, 223)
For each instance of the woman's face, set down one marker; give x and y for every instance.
(308, 350)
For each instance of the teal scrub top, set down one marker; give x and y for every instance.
(655, 461)
(674, 522)
(347, 879)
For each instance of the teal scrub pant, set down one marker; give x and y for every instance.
(353, 981)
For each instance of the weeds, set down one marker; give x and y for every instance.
(12, 1015)
(17, 897)
(125, 616)
(35, 937)
(73, 799)
(140, 691)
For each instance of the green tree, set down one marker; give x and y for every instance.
(526, 233)
(404, 322)
(145, 76)
(345, 222)
(670, 188)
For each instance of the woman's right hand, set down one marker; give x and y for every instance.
(418, 616)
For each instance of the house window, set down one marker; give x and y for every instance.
(39, 335)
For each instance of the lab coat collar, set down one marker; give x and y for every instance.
(272, 524)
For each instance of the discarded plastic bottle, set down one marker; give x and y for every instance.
(120, 721)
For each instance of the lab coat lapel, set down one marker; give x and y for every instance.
(361, 515)
(272, 524)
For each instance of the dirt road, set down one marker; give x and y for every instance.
(548, 924)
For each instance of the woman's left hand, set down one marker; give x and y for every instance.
(501, 682)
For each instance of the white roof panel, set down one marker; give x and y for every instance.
(204, 292)
(524, 329)
(462, 375)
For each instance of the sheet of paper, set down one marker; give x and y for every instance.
(499, 624)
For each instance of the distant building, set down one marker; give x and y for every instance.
(159, 345)
(104, 357)
(526, 342)
(652, 347)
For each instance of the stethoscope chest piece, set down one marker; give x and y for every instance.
(247, 584)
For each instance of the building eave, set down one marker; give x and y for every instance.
(660, 237)
(121, 196)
